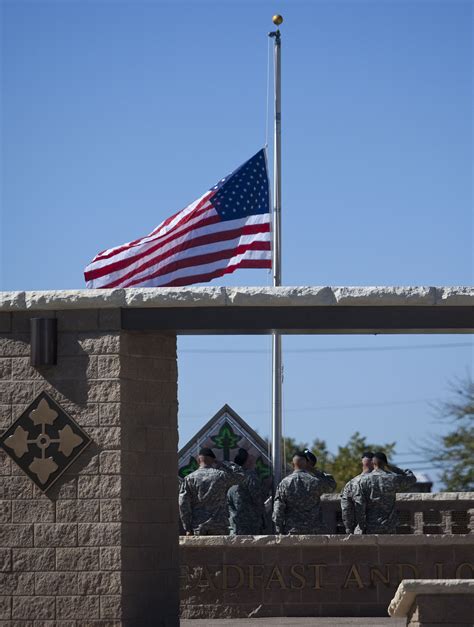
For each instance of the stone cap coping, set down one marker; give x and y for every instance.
(468, 497)
(236, 297)
(409, 589)
(229, 542)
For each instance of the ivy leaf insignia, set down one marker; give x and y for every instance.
(226, 438)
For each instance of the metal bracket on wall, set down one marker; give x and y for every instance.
(44, 341)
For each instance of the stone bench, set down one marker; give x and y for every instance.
(433, 602)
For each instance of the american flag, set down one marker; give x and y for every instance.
(225, 229)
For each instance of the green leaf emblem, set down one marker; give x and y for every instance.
(184, 471)
(226, 439)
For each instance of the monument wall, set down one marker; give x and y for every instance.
(418, 513)
(246, 576)
(100, 547)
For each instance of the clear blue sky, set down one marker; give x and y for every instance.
(117, 114)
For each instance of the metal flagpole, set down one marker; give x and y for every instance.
(277, 461)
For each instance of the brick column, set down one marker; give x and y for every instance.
(100, 548)
(149, 562)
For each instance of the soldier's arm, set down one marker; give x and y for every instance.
(279, 509)
(347, 507)
(405, 479)
(185, 507)
(234, 473)
(255, 489)
(360, 506)
(395, 469)
(328, 481)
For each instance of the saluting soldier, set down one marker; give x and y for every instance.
(347, 494)
(296, 507)
(375, 496)
(203, 495)
(331, 482)
(245, 501)
(311, 467)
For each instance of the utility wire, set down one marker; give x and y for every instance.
(332, 407)
(257, 351)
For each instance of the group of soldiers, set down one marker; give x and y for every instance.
(222, 497)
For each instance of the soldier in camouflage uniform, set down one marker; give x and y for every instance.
(296, 507)
(202, 498)
(311, 459)
(347, 494)
(375, 495)
(311, 466)
(245, 501)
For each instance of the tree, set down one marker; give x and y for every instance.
(453, 453)
(344, 464)
(347, 462)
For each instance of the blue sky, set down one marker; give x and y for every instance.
(117, 114)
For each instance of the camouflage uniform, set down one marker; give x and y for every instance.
(347, 503)
(374, 499)
(246, 507)
(296, 508)
(181, 528)
(203, 502)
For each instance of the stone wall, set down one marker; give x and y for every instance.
(418, 513)
(100, 547)
(245, 576)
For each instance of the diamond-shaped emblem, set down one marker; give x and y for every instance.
(44, 441)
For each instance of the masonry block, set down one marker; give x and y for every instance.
(64, 555)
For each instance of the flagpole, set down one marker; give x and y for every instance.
(277, 461)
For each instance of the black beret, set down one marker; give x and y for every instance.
(367, 454)
(381, 456)
(310, 457)
(241, 457)
(207, 452)
(300, 454)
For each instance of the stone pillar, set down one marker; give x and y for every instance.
(101, 546)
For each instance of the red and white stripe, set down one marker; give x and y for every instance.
(192, 246)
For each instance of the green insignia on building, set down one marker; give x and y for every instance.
(225, 433)
(226, 440)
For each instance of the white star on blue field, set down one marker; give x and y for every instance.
(245, 191)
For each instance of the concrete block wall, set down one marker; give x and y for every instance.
(100, 548)
(320, 575)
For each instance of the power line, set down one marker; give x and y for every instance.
(332, 407)
(362, 349)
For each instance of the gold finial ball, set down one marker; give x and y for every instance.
(277, 20)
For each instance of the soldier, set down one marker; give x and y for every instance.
(181, 528)
(331, 482)
(245, 501)
(347, 494)
(375, 494)
(296, 506)
(202, 498)
(311, 467)
(312, 459)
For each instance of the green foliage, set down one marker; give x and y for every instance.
(344, 464)
(262, 469)
(347, 462)
(453, 453)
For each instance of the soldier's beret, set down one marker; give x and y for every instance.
(310, 457)
(207, 452)
(241, 457)
(367, 454)
(300, 454)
